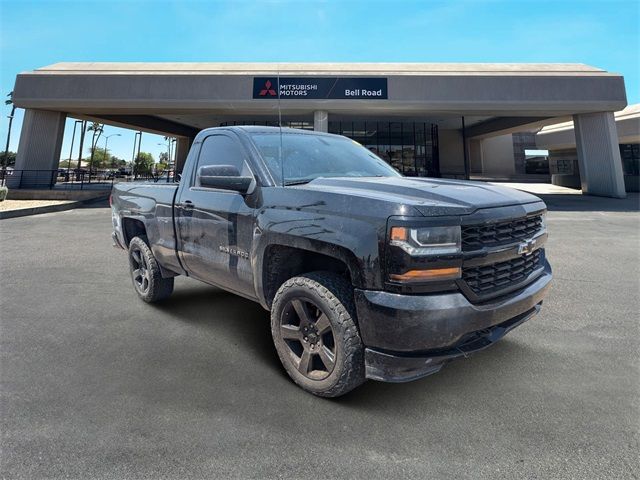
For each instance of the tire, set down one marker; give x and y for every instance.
(145, 272)
(313, 324)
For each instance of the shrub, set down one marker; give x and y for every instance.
(3, 193)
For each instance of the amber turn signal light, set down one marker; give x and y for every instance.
(399, 233)
(451, 273)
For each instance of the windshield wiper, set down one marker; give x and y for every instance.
(302, 181)
(299, 181)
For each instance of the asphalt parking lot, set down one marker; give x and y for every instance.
(97, 384)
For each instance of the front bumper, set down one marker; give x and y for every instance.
(410, 336)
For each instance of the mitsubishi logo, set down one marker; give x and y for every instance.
(525, 248)
(267, 90)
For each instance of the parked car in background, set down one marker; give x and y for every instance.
(123, 172)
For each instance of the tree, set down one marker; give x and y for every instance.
(97, 130)
(10, 158)
(99, 158)
(163, 157)
(161, 167)
(116, 162)
(143, 163)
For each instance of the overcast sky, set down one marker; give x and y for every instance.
(37, 33)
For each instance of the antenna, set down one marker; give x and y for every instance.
(280, 126)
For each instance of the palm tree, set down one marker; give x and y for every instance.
(9, 101)
(97, 130)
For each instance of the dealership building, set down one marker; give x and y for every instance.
(442, 120)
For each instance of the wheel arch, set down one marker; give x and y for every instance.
(279, 261)
(132, 227)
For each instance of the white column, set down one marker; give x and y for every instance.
(321, 121)
(599, 154)
(39, 148)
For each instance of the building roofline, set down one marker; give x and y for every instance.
(418, 69)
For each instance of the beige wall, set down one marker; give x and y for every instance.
(489, 156)
(451, 153)
(475, 156)
(497, 155)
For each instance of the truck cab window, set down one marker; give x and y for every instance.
(221, 150)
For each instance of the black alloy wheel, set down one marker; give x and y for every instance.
(146, 274)
(140, 271)
(315, 332)
(307, 333)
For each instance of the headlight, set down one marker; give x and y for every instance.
(543, 224)
(427, 240)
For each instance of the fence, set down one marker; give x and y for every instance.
(63, 179)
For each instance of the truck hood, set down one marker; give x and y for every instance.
(430, 197)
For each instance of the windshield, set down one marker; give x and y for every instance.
(307, 157)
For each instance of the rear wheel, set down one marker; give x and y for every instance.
(145, 272)
(313, 323)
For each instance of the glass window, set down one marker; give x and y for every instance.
(382, 141)
(222, 150)
(306, 157)
(630, 154)
(420, 150)
(410, 147)
(433, 151)
(395, 146)
(371, 139)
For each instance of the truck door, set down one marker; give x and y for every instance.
(215, 227)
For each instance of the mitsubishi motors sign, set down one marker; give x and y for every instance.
(310, 88)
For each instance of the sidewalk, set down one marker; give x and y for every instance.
(21, 208)
(539, 188)
(568, 199)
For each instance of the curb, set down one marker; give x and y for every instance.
(24, 212)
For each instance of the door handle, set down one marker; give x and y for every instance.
(187, 205)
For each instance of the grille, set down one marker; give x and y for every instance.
(476, 237)
(490, 279)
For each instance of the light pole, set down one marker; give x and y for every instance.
(82, 134)
(173, 153)
(168, 151)
(106, 142)
(171, 142)
(138, 138)
(6, 149)
(172, 159)
(73, 138)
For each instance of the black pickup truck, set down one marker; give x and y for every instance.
(367, 274)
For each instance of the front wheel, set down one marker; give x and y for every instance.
(313, 323)
(145, 272)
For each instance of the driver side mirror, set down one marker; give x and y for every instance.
(224, 177)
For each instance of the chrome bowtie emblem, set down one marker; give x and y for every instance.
(525, 248)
